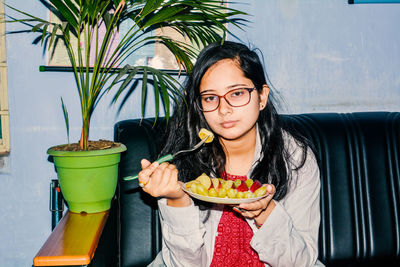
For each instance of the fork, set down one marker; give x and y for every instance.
(169, 157)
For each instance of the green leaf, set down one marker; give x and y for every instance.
(72, 7)
(44, 32)
(107, 19)
(150, 6)
(38, 26)
(163, 15)
(127, 80)
(53, 35)
(144, 90)
(67, 14)
(121, 73)
(66, 119)
(164, 96)
(33, 18)
(156, 97)
(179, 51)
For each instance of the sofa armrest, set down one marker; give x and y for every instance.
(73, 241)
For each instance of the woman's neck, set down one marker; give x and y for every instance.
(240, 153)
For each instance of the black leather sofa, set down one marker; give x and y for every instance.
(359, 157)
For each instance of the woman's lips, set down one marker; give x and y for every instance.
(228, 124)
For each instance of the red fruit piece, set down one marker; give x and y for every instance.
(255, 186)
(242, 187)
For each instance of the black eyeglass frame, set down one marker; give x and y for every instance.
(249, 89)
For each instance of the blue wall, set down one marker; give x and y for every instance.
(320, 56)
(328, 55)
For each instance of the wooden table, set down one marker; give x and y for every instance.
(73, 241)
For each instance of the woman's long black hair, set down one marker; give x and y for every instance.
(274, 165)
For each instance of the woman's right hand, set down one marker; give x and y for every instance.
(161, 180)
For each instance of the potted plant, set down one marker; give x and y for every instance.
(88, 173)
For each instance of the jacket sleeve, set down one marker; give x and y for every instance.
(289, 237)
(183, 236)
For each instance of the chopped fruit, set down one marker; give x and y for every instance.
(204, 180)
(221, 181)
(248, 194)
(222, 192)
(217, 187)
(189, 184)
(242, 187)
(216, 184)
(228, 184)
(204, 133)
(260, 191)
(249, 182)
(232, 193)
(193, 187)
(212, 192)
(237, 183)
(240, 194)
(201, 190)
(256, 184)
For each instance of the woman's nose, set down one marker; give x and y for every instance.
(224, 108)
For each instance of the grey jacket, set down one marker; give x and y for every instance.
(289, 237)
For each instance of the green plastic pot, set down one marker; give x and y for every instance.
(88, 179)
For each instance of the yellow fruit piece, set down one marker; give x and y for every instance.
(222, 193)
(232, 193)
(237, 182)
(248, 194)
(228, 184)
(189, 184)
(216, 184)
(204, 180)
(193, 187)
(260, 191)
(201, 190)
(249, 182)
(212, 192)
(240, 195)
(204, 133)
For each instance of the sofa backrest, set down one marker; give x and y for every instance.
(359, 157)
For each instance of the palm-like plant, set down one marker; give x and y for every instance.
(200, 21)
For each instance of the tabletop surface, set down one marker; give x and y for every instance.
(73, 241)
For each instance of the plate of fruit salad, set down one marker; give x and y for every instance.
(218, 190)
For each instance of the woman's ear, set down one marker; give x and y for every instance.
(264, 96)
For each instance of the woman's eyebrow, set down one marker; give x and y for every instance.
(208, 91)
(236, 85)
(229, 87)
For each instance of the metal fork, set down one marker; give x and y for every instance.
(169, 157)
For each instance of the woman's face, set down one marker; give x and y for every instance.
(229, 122)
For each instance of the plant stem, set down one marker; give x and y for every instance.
(83, 143)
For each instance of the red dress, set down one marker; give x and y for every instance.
(232, 244)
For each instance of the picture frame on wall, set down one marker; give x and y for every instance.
(155, 54)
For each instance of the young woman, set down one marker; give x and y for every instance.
(227, 92)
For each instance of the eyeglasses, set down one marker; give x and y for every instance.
(236, 98)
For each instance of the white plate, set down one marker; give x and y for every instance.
(220, 200)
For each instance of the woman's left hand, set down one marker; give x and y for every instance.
(259, 210)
